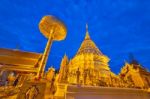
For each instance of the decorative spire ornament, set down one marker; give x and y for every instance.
(87, 36)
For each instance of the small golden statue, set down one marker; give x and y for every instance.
(78, 76)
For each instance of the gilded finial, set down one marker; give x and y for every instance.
(87, 36)
(86, 27)
(52, 68)
(65, 55)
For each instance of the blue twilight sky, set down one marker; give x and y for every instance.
(118, 27)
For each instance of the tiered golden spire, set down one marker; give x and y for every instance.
(90, 62)
(88, 46)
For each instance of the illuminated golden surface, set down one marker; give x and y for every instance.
(87, 75)
(135, 75)
(15, 60)
(53, 29)
(89, 66)
(49, 23)
(63, 72)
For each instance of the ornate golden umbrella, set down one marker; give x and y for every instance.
(53, 29)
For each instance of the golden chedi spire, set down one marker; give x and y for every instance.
(89, 61)
(88, 46)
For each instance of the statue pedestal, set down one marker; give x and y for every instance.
(91, 92)
(61, 90)
(32, 90)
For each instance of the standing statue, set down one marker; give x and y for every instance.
(32, 93)
(78, 75)
(52, 87)
(85, 76)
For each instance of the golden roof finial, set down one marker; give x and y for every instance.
(87, 36)
(52, 68)
(86, 27)
(65, 55)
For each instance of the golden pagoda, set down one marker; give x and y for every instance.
(89, 66)
(63, 73)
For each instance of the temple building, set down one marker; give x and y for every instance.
(23, 76)
(89, 66)
(16, 65)
(135, 75)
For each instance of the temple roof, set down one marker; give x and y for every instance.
(17, 60)
(88, 46)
